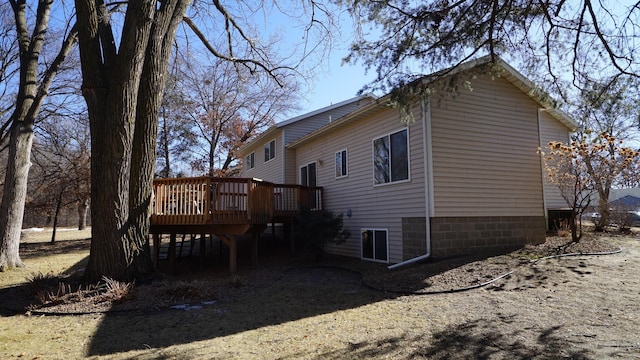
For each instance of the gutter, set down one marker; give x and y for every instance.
(428, 178)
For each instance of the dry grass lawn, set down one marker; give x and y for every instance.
(579, 307)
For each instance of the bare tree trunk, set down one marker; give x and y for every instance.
(143, 157)
(83, 210)
(573, 226)
(121, 108)
(33, 88)
(212, 159)
(55, 216)
(164, 145)
(14, 195)
(110, 89)
(603, 208)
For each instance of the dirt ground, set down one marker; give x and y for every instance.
(569, 307)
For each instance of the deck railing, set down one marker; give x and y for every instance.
(213, 200)
(289, 198)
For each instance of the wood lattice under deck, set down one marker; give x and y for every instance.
(225, 207)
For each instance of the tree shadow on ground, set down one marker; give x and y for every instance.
(19, 298)
(40, 249)
(305, 288)
(480, 339)
(302, 288)
(477, 339)
(299, 294)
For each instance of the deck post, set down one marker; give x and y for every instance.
(203, 249)
(172, 252)
(230, 240)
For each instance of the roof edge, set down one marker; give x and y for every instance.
(516, 79)
(325, 109)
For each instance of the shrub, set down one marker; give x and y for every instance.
(317, 228)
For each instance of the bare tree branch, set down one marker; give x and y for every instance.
(244, 61)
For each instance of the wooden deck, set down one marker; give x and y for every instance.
(225, 207)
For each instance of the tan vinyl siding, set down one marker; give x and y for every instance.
(298, 129)
(380, 207)
(484, 152)
(273, 169)
(291, 170)
(552, 130)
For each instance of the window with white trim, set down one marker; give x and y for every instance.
(375, 245)
(391, 158)
(251, 161)
(270, 150)
(341, 163)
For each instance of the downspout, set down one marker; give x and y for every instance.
(428, 178)
(542, 172)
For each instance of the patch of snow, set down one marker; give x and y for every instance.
(33, 230)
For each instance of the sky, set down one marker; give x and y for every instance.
(337, 83)
(331, 81)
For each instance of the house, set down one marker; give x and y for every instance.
(267, 156)
(463, 176)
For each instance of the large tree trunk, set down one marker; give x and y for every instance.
(143, 157)
(122, 106)
(14, 195)
(111, 129)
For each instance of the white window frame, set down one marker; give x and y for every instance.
(344, 162)
(373, 159)
(373, 258)
(267, 150)
(251, 160)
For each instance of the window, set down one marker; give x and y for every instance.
(341, 164)
(270, 150)
(251, 161)
(391, 158)
(374, 244)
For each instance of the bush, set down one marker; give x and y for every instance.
(317, 228)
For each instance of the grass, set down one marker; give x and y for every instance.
(38, 261)
(325, 314)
